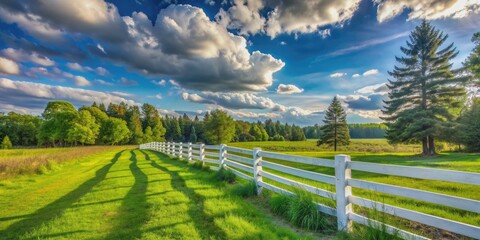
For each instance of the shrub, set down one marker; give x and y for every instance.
(225, 175)
(6, 143)
(245, 190)
(279, 204)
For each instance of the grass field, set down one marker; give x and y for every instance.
(401, 155)
(130, 194)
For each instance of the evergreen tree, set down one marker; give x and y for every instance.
(335, 131)
(469, 130)
(6, 143)
(176, 131)
(425, 94)
(220, 127)
(135, 125)
(102, 107)
(193, 135)
(473, 61)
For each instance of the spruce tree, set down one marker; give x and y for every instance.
(425, 94)
(473, 61)
(193, 135)
(6, 143)
(135, 125)
(335, 131)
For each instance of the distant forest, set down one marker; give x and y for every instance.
(61, 124)
(357, 130)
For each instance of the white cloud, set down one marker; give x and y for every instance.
(123, 94)
(356, 75)
(159, 82)
(81, 81)
(288, 89)
(380, 88)
(126, 82)
(102, 71)
(234, 100)
(22, 56)
(100, 81)
(174, 83)
(426, 9)
(9, 67)
(337, 75)
(324, 33)
(158, 96)
(370, 72)
(285, 16)
(33, 97)
(283, 43)
(76, 67)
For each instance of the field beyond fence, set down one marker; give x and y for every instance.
(333, 183)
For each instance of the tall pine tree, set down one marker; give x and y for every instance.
(335, 131)
(425, 93)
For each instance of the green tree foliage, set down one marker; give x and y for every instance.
(117, 110)
(473, 61)
(425, 94)
(469, 128)
(219, 127)
(6, 143)
(152, 118)
(58, 119)
(100, 118)
(335, 131)
(84, 129)
(135, 125)
(193, 135)
(115, 132)
(22, 129)
(256, 133)
(148, 136)
(367, 130)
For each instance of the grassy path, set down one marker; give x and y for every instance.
(130, 194)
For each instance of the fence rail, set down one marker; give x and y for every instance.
(249, 164)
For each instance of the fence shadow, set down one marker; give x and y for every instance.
(133, 211)
(204, 224)
(56, 208)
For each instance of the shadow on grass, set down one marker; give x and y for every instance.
(133, 211)
(204, 224)
(56, 208)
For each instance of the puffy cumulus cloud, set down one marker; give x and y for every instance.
(198, 53)
(243, 15)
(8, 66)
(337, 75)
(356, 75)
(32, 97)
(81, 81)
(234, 100)
(380, 88)
(77, 67)
(288, 89)
(285, 16)
(22, 56)
(49, 19)
(359, 102)
(426, 9)
(183, 43)
(370, 72)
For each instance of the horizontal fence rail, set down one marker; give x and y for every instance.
(250, 165)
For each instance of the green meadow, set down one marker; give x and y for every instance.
(130, 194)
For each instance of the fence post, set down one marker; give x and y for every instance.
(189, 152)
(169, 148)
(342, 174)
(202, 153)
(180, 151)
(257, 169)
(222, 153)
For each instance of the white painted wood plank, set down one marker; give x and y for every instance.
(300, 173)
(240, 174)
(312, 189)
(418, 172)
(239, 150)
(240, 159)
(212, 147)
(299, 159)
(195, 152)
(214, 168)
(442, 199)
(238, 165)
(211, 154)
(208, 160)
(434, 221)
(390, 229)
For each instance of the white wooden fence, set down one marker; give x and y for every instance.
(241, 161)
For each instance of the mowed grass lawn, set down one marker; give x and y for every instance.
(379, 151)
(130, 194)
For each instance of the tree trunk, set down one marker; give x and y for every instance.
(431, 146)
(424, 146)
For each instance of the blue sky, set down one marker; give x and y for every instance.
(255, 59)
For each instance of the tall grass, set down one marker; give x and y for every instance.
(301, 210)
(40, 161)
(225, 175)
(248, 189)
